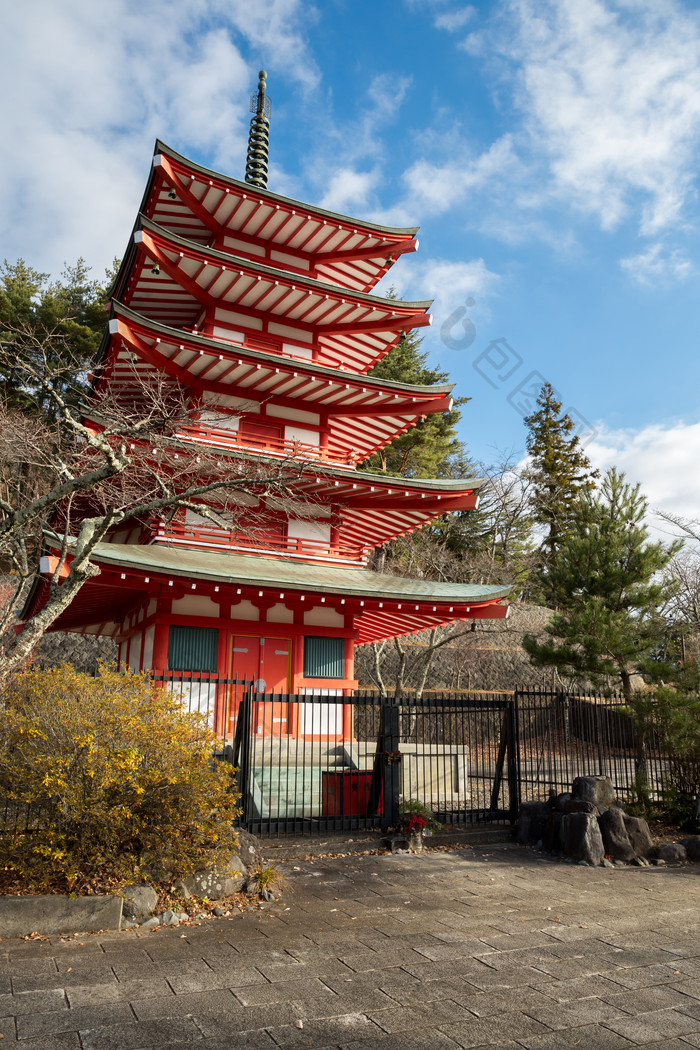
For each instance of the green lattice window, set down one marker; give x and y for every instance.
(324, 657)
(193, 649)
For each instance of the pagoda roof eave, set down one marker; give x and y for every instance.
(118, 309)
(161, 147)
(144, 223)
(437, 485)
(218, 567)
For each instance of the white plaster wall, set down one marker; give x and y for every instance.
(309, 530)
(280, 614)
(195, 605)
(245, 611)
(135, 652)
(309, 437)
(297, 414)
(291, 333)
(148, 648)
(320, 616)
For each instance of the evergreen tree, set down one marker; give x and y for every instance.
(605, 578)
(429, 449)
(71, 311)
(559, 469)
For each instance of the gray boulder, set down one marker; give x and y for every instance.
(558, 802)
(139, 902)
(577, 805)
(615, 838)
(531, 822)
(551, 833)
(217, 884)
(639, 835)
(249, 850)
(672, 852)
(692, 847)
(212, 885)
(581, 838)
(598, 790)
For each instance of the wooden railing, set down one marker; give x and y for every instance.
(235, 540)
(218, 438)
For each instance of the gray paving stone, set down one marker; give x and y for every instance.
(63, 1041)
(654, 1026)
(206, 981)
(646, 976)
(488, 1004)
(639, 1001)
(32, 1026)
(117, 992)
(331, 1030)
(33, 1002)
(427, 1039)
(218, 1003)
(580, 988)
(533, 969)
(588, 1037)
(46, 981)
(485, 1030)
(424, 1015)
(259, 1040)
(283, 991)
(142, 1036)
(574, 1013)
(251, 1018)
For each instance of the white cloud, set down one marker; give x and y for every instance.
(454, 20)
(87, 88)
(611, 95)
(460, 292)
(433, 188)
(663, 458)
(348, 189)
(656, 266)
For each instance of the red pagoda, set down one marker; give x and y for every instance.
(261, 308)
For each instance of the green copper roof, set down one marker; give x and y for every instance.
(161, 147)
(277, 572)
(178, 335)
(144, 223)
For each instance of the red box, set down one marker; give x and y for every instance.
(346, 794)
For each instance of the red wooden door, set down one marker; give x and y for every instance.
(267, 661)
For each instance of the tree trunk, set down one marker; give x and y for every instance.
(641, 778)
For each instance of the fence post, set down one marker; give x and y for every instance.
(391, 758)
(513, 743)
(241, 750)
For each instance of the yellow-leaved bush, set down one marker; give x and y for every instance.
(98, 775)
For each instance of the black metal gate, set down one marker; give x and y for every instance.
(313, 764)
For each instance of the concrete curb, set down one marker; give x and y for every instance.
(46, 914)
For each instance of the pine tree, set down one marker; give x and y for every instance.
(605, 578)
(429, 449)
(67, 315)
(559, 469)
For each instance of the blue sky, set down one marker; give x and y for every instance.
(549, 152)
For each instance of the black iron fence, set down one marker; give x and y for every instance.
(562, 736)
(328, 763)
(318, 763)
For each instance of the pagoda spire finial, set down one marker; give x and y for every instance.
(258, 136)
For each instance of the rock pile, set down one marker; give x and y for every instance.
(589, 826)
(237, 875)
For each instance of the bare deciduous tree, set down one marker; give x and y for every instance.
(73, 471)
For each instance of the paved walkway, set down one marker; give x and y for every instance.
(473, 948)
